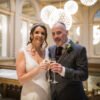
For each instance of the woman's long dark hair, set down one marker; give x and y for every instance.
(32, 32)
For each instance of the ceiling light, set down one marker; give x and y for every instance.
(88, 2)
(71, 7)
(46, 12)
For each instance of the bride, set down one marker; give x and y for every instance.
(30, 68)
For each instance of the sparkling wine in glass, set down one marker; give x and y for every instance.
(53, 60)
(48, 70)
(48, 74)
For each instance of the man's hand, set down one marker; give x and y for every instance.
(56, 67)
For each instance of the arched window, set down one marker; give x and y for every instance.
(5, 7)
(28, 17)
(96, 34)
(3, 34)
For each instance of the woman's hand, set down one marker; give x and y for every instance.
(44, 65)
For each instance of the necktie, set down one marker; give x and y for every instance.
(58, 52)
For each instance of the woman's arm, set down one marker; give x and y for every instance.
(24, 76)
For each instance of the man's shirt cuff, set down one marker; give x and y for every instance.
(63, 71)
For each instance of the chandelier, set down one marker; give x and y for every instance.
(60, 15)
(50, 14)
(46, 12)
(71, 7)
(88, 2)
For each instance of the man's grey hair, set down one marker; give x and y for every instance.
(60, 23)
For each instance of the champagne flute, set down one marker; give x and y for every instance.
(53, 60)
(48, 75)
(48, 70)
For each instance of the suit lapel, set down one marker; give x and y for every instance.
(65, 53)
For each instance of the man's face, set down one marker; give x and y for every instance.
(59, 34)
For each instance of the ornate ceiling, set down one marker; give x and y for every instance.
(30, 6)
(30, 9)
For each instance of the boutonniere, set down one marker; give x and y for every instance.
(68, 48)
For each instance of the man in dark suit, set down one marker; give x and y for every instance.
(70, 67)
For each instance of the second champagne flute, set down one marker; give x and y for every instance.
(53, 60)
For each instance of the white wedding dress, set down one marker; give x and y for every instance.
(37, 88)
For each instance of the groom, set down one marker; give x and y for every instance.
(71, 67)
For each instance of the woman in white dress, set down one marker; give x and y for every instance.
(30, 67)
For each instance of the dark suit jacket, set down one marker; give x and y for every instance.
(75, 62)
